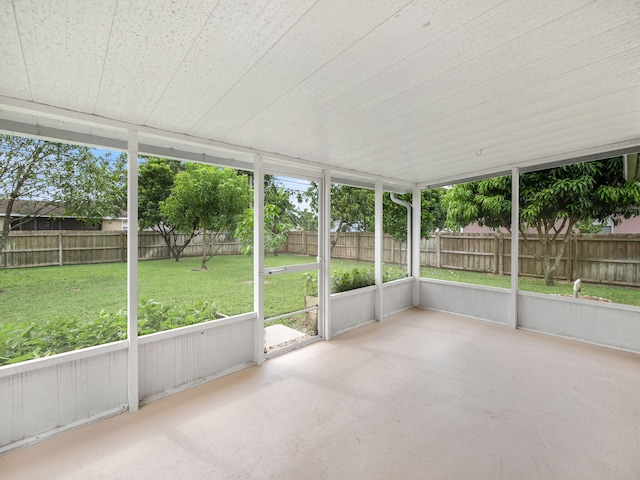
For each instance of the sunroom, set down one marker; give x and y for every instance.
(394, 97)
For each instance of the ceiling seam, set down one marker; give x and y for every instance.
(179, 65)
(475, 105)
(460, 66)
(106, 56)
(24, 58)
(190, 128)
(337, 55)
(359, 86)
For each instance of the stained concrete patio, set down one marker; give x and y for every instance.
(420, 395)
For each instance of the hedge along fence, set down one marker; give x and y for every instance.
(610, 259)
(40, 248)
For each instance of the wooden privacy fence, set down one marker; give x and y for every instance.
(611, 259)
(40, 248)
(350, 246)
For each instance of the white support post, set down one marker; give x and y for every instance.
(132, 270)
(324, 256)
(258, 258)
(416, 245)
(378, 250)
(515, 221)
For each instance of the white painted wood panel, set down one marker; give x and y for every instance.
(486, 303)
(170, 361)
(351, 309)
(396, 296)
(611, 325)
(53, 394)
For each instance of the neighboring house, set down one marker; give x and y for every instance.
(51, 217)
(631, 225)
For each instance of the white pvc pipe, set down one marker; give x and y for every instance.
(407, 205)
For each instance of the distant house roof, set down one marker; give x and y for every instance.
(23, 208)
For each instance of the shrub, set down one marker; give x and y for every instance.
(29, 340)
(343, 280)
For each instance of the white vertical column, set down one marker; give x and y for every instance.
(132, 270)
(416, 235)
(258, 258)
(515, 221)
(324, 255)
(378, 250)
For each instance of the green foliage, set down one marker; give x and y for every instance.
(433, 214)
(276, 229)
(29, 340)
(206, 199)
(156, 177)
(552, 202)
(41, 174)
(353, 209)
(345, 279)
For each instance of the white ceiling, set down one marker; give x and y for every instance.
(416, 92)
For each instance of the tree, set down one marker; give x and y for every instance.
(352, 208)
(276, 230)
(280, 216)
(41, 174)
(553, 202)
(432, 214)
(156, 177)
(206, 200)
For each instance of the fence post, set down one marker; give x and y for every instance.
(500, 238)
(438, 263)
(123, 257)
(304, 242)
(60, 248)
(569, 258)
(496, 256)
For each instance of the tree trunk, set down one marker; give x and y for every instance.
(6, 225)
(205, 245)
(548, 278)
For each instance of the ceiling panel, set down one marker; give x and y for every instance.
(64, 43)
(316, 39)
(396, 89)
(14, 74)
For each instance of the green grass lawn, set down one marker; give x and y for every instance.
(624, 295)
(49, 310)
(82, 291)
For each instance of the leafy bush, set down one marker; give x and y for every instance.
(29, 340)
(343, 280)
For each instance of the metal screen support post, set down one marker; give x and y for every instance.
(378, 251)
(258, 258)
(324, 255)
(515, 222)
(132, 270)
(416, 245)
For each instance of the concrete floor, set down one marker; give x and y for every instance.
(421, 395)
